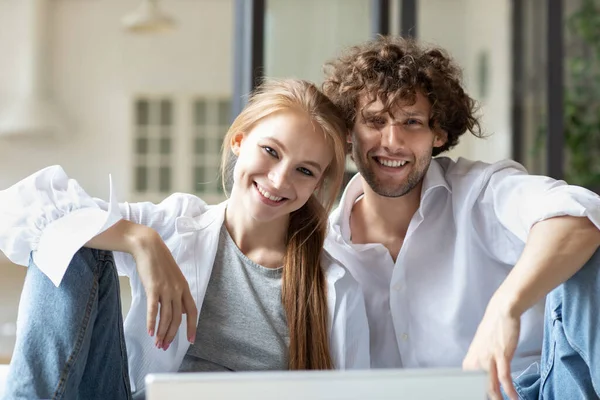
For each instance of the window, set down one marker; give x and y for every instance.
(153, 146)
(211, 119)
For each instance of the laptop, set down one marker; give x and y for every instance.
(388, 384)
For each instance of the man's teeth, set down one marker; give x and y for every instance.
(268, 195)
(391, 163)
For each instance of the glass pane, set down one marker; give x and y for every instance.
(224, 112)
(165, 146)
(300, 36)
(166, 113)
(141, 179)
(142, 113)
(533, 86)
(212, 175)
(200, 112)
(199, 181)
(154, 112)
(218, 143)
(141, 146)
(164, 181)
(199, 145)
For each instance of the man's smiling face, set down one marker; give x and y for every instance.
(392, 151)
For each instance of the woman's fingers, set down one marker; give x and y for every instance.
(164, 321)
(152, 312)
(174, 324)
(189, 307)
(171, 312)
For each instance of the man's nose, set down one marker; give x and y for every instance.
(393, 137)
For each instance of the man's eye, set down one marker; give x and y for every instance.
(376, 121)
(413, 121)
(305, 171)
(271, 151)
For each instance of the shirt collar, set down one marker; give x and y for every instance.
(213, 214)
(340, 218)
(332, 268)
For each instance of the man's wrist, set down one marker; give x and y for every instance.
(510, 302)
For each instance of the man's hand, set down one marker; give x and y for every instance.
(165, 285)
(556, 249)
(493, 348)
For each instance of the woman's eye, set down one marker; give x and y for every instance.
(271, 151)
(305, 171)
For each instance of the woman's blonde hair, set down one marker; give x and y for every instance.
(304, 290)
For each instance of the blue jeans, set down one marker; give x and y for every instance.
(70, 342)
(570, 364)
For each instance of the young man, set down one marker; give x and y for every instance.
(457, 258)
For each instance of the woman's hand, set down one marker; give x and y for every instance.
(165, 285)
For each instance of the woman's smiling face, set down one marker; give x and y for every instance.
(280, 163)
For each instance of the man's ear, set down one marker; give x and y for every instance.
(441, 137)
(349, 143)
(236, 143)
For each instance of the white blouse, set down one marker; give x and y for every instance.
(52, 216)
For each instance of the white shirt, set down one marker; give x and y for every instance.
(467, 234)
(51, 215)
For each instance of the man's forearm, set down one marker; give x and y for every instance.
(556, 249)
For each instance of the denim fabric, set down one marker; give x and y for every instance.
(570, 364)
(70, 342)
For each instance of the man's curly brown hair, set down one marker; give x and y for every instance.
(393, 69)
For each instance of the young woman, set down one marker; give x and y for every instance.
(269, 297)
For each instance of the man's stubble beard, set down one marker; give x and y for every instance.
(415, 177)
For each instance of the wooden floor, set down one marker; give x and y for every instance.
(11, 283)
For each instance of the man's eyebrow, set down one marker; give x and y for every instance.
(414, 113)
(374, 113)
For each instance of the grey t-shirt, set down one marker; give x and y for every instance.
(242, 325)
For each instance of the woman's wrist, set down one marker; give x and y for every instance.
(138, 238)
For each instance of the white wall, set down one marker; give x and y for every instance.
(466, 28)
(97, 68)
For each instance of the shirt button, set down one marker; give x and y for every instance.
(398, 287)
(405, 336)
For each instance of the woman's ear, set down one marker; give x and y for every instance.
(236, 143)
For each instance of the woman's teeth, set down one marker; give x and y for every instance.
(268, 195)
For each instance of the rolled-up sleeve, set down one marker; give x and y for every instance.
(51, 215)
(520, 200)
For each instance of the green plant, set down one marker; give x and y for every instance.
(582, 98)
